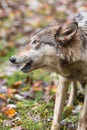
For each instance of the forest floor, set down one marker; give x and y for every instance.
(27, 100)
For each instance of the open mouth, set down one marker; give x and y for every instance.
(29, 67)
(26, 67)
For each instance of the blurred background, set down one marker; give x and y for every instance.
(27, 100)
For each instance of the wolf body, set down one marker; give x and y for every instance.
(61, 49)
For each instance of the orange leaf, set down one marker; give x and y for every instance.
(54, 88)
(49, 18)
(37, 88)
(10, 112)
(2, 96)
(17, 84)
(10, 92)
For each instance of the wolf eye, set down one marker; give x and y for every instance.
(34, 42)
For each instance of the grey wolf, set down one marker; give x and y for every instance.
(61, 49)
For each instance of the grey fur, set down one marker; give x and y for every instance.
(62, 49)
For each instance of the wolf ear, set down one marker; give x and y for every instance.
(65, 34)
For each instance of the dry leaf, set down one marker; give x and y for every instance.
(49, 18)
(54, 88)
(37, 88)
(10, 92)
(10, 112)
(2, 96)
(17, 84)
(17, 128)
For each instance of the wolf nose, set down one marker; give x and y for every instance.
(13, 59)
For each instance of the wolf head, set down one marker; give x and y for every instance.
(45, 47)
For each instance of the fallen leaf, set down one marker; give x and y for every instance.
(35, 88)
(10, 112)
(2, 96)
(49, 18)
(11, 106)
(10, 92)
(17, 84)
(54, 88)
(18, 97)
(17, 128)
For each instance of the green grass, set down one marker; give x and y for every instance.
(35, 115)
(16, 77)
(9, 52)
(5, 128)
(29, 110)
